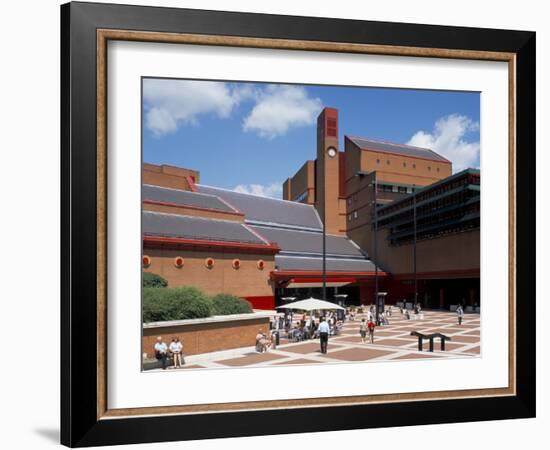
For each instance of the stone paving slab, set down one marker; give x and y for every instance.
(297, 361)
(416, 356)
(463, 338)
(357, 354)
(391, 342)
(251, 358)
(309, 347)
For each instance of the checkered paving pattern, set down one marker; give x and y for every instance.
(391, 342)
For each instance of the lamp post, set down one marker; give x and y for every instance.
(324, 253)
(414, 247)
(376, 247)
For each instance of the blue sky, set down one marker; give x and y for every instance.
(252, 136)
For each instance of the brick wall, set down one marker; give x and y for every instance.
(247, 281)
(207, 337)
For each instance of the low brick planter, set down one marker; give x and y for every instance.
(210, 334)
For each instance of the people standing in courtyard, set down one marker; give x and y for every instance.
(324, 331)
(161, 352)
(363, 330)
(371, 325)
(176, 348)
(460, 314)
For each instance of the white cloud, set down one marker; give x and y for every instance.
(170, 103)
(274, 190)
(279, 108)
(448, 139)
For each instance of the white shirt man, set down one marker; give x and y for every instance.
(161, 347)
(324, 330)
(324, 327)
(161, 350)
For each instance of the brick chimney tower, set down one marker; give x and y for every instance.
(327, 170)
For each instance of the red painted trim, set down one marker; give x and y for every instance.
(269, 248)
(320, 280)
(198, 208)
(466, 273)
(261, 301)
(238, 211)
(257, 234)
(191, 183)
(306, 273)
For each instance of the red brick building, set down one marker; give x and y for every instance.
(263, 249)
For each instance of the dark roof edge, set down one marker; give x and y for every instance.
(433, 186)
(398, 145)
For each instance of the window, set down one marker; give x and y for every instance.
(377, 161)
(414, 166)
(388, 162)
(402, 189)
(355, 214)
(437, 169)
(301, 197)
(404, 164)
(349, 217)
(429, 168)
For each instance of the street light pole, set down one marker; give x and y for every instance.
(376, 247)
(324, 253)
(414, 248)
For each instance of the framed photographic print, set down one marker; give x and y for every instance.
(277, 224)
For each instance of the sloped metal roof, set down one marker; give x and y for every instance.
(180, 197)
(187, 227)
(402, 149)
(292, 263)
(267, 210)
(307, 242)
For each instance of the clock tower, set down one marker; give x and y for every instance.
(327, 170)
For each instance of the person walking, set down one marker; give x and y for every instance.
(460, 314)
(324, 330)
(371, 325)
(161, 352)
(363, 330)
(176, 348)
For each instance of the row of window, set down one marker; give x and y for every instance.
(405, 165)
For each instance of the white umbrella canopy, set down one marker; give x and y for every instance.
(311, 304)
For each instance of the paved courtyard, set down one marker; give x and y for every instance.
(391, 342)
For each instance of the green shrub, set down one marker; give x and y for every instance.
(223, 304)
(175, 304)
(153, 280)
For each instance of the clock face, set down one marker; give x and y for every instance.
(331, 152)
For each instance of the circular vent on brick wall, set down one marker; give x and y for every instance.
(261, 264)
(236, 264)
(146, 260)
(209, 263)
(179, 262)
